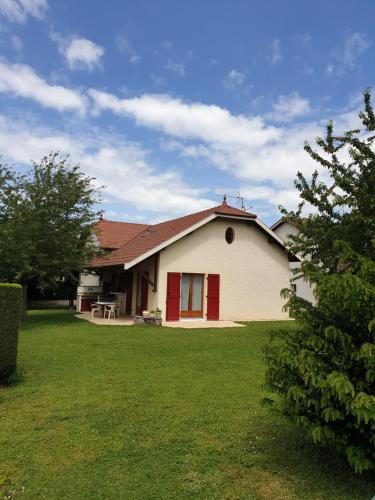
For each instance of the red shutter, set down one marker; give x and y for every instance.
(213, 296)
(173, 296)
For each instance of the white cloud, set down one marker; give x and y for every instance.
(125, 47)
(262, 157)
(271, 195)
(18, 10)
(79, 53)
(175, 67)
(209, 123)
(20, 80)
(289, 107)
(234, 80)
(345, 58)
(246, 147)
(276, 52)
(129, 177)
(123, 167)
(20, 143)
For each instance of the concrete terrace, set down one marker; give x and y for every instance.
(188, 323)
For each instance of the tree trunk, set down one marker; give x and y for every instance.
(24, 302)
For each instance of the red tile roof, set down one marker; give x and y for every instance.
(153, 235)
(112, 234)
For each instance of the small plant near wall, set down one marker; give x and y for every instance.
(155, 313)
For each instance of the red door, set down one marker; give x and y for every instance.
(86, 304)
(173, 296)
(213, 296)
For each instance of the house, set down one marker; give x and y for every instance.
(220, 263)
(301, 287)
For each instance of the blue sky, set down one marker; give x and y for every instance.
(170, 104)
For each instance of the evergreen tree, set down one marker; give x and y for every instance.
(324, 367)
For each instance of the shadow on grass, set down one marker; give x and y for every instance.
(277, 446)
(48, 317)
(16, 378)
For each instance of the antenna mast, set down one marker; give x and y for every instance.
(239, 197)
(242, 199)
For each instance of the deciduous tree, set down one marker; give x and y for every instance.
(46, 222)
(324, 368)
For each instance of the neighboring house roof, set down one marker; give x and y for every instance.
(278, 223)
(155, 237)
(112, 234)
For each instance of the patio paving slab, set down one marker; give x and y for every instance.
(125, 321)
(201, 324)
(128, 321)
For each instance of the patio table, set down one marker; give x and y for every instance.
(103, 304)
(100, 303)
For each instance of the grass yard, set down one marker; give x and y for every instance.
(146, 413)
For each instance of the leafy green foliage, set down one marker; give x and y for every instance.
(324, 370)
(46, 220)
(10, 312)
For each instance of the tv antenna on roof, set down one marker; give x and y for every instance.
(242, 199)
(239, 197)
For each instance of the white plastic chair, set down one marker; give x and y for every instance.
(110, 311)
(95, 308)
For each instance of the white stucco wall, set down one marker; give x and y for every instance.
(303, 288)
(252, 271)
(285, 229)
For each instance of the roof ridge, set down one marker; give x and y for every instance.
(215, 209)
(206, 210)
(121, 222)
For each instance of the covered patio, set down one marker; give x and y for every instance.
(134, 289)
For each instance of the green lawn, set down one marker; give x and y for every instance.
(138, 412)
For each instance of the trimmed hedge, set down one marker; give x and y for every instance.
(10, 315)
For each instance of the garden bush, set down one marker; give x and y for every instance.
(10, 314)
(324, 369)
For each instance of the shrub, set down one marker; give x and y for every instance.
(10, 314)
(324, 370)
